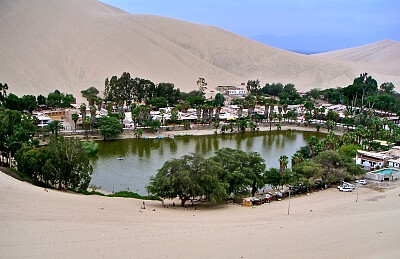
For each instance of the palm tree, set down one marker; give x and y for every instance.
(134, 114)
(240, 104)
(271, 117)
(75, 118)
(109, 107)
(266, 102)
(283, 162)
(312, 144)
(186, 105)
(92, 116)
(86, 123)
(216, 126)
(55, 127)
(99, 103)
(218, 111)
(162, 112)
(174, 117)
(251, 102)
(121, 116)
(297, 158)
(198, 111)
(83, 110)
(330, 141)
(252, 125)
(285, 108)
(138, 133)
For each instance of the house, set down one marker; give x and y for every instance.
(43, 119)
(371, 160)
(236, 92)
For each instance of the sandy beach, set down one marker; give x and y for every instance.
(326, 224)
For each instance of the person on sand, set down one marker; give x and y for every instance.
(144, 205)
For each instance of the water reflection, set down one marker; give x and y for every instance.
(142, 158)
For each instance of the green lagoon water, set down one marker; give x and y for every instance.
(142, 158)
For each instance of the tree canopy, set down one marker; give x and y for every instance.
(109, 127)
(190, 177)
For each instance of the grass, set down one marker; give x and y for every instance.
(122, 194)
(126, 194)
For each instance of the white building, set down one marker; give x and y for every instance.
(371, 160)
(44, 120)
(236, 92)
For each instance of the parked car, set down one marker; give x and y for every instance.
(346, 189)
(363, 182)
(348, 184)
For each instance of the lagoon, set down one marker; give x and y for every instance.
(143, 157)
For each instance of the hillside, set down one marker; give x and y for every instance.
(382, 56)
(71, 45)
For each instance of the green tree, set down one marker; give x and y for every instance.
(273, 177)
(201, 84)
(109, 127)
(15, 130)
(333, 165)
(41, 100)
(138, 133)
(154, 125)
(190, 177)
(219, 99)
(253, 86)
(241, 170)
(159, 102)
(3, 92)
(90, 94)
(283, 162)
(75, 118)
(91, 148)
(69, 163)
(174, 116)
(30, 161)
(55, 127)
(29, 103)
(387, 87)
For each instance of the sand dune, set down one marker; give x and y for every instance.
(328, 224)
(381, 56)
(71, 45)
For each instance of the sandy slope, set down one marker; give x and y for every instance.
(381, 56)
(74, 44)
(328, 224)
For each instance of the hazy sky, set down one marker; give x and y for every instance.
(368, 20)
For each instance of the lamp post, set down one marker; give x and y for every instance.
(288, 210)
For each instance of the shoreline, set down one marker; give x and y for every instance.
(129, 133)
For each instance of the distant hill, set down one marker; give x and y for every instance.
(305, 44)
(71, 45)
(382, 56)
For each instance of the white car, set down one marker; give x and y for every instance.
(346, 189)
(348, 184)
(363, 182)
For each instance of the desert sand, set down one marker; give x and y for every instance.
(326, 224)
(72, 45)
(383, 56)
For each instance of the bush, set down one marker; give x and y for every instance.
(126, 194)
(91, 147)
